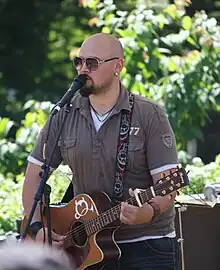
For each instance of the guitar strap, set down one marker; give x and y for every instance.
(122, 151)
(121, 157)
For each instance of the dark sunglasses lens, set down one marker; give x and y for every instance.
(92, 63)
(77, 62)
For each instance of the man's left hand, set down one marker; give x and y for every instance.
(134, 215)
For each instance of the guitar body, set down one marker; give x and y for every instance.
(86, 252)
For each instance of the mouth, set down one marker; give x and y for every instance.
(87, 76)
(89, 81)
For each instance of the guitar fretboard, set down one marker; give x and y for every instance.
(161, 189)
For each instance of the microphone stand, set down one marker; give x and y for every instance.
(47, 191)
(180, 240)
(43, 188)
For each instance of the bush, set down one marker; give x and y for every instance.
(14, 150)
(200, 174)
(11, 192)
(10, 202)
(13, 159)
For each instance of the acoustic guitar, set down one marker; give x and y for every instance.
(88, 222)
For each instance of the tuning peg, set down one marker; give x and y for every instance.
(175, 174)
(162, 175)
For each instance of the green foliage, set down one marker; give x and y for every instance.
(11, 191)
(171, 58)
(200, 174)
(10, 202)
(212, 7)
(14, 152)
(36, 40)
(13, 158)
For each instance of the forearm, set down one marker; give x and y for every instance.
(31, 182)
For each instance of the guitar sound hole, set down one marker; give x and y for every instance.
(79, 236)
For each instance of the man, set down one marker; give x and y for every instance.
(88, 144)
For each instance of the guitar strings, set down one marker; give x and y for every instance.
(81, 229)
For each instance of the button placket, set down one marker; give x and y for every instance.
(96, 153)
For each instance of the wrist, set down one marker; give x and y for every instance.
(156, 209)
(35, 228)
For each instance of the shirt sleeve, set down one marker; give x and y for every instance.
(160, 142)
(42, 150)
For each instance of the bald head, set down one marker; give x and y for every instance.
(104, 74)
(103, 46)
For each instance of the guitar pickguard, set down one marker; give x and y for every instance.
(82, 207)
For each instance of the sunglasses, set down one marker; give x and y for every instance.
(92, 63)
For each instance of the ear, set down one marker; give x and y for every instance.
(119, 65)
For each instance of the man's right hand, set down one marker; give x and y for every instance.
(57, 240)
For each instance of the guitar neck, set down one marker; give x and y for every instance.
(163, 187)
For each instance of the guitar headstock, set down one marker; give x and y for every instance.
(174, 181)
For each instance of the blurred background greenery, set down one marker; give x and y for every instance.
(172, 55)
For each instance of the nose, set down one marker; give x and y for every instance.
(84, 67)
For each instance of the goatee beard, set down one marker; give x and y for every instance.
(86, 91)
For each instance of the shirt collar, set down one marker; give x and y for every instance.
(123, 100)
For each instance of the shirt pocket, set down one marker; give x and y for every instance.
(68, 150)
(136, 156)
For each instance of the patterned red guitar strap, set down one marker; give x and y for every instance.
(122, 152)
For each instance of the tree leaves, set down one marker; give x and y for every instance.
(186, 22)
(165, 55)
(5, 126)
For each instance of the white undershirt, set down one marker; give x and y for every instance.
(98, 123)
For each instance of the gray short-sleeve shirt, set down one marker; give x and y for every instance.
(91, 155)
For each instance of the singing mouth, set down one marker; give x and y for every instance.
(87, 76)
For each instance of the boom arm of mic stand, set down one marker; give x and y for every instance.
(44, 178)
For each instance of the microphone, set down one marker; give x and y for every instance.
(78, 83)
